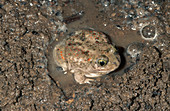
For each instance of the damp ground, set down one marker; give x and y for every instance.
(30, 80)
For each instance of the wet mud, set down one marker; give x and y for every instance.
(30, 79)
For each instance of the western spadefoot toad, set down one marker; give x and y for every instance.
(86, 54)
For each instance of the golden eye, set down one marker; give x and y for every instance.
(102, 61)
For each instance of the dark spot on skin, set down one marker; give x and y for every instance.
(78, 43)
(115, 63)
(97, 38)
(97, 42)
(69, 44)
(86, 52)
(94, 33)
(94, 49)
(87, 41)
(90, 46)
(82, 38)
(90, 31)
(107, 50)
(116, 53)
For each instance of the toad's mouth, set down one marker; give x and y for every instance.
(97, 73)
(104, 69)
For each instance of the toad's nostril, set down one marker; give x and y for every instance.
(115, 63)
(118, 58)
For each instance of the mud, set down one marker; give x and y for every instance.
(30, 80)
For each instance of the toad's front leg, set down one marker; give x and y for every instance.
(81, 78)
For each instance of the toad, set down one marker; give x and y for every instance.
(87, 54)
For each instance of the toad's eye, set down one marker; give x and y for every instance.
(102, 60)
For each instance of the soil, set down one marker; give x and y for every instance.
(30, 80)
